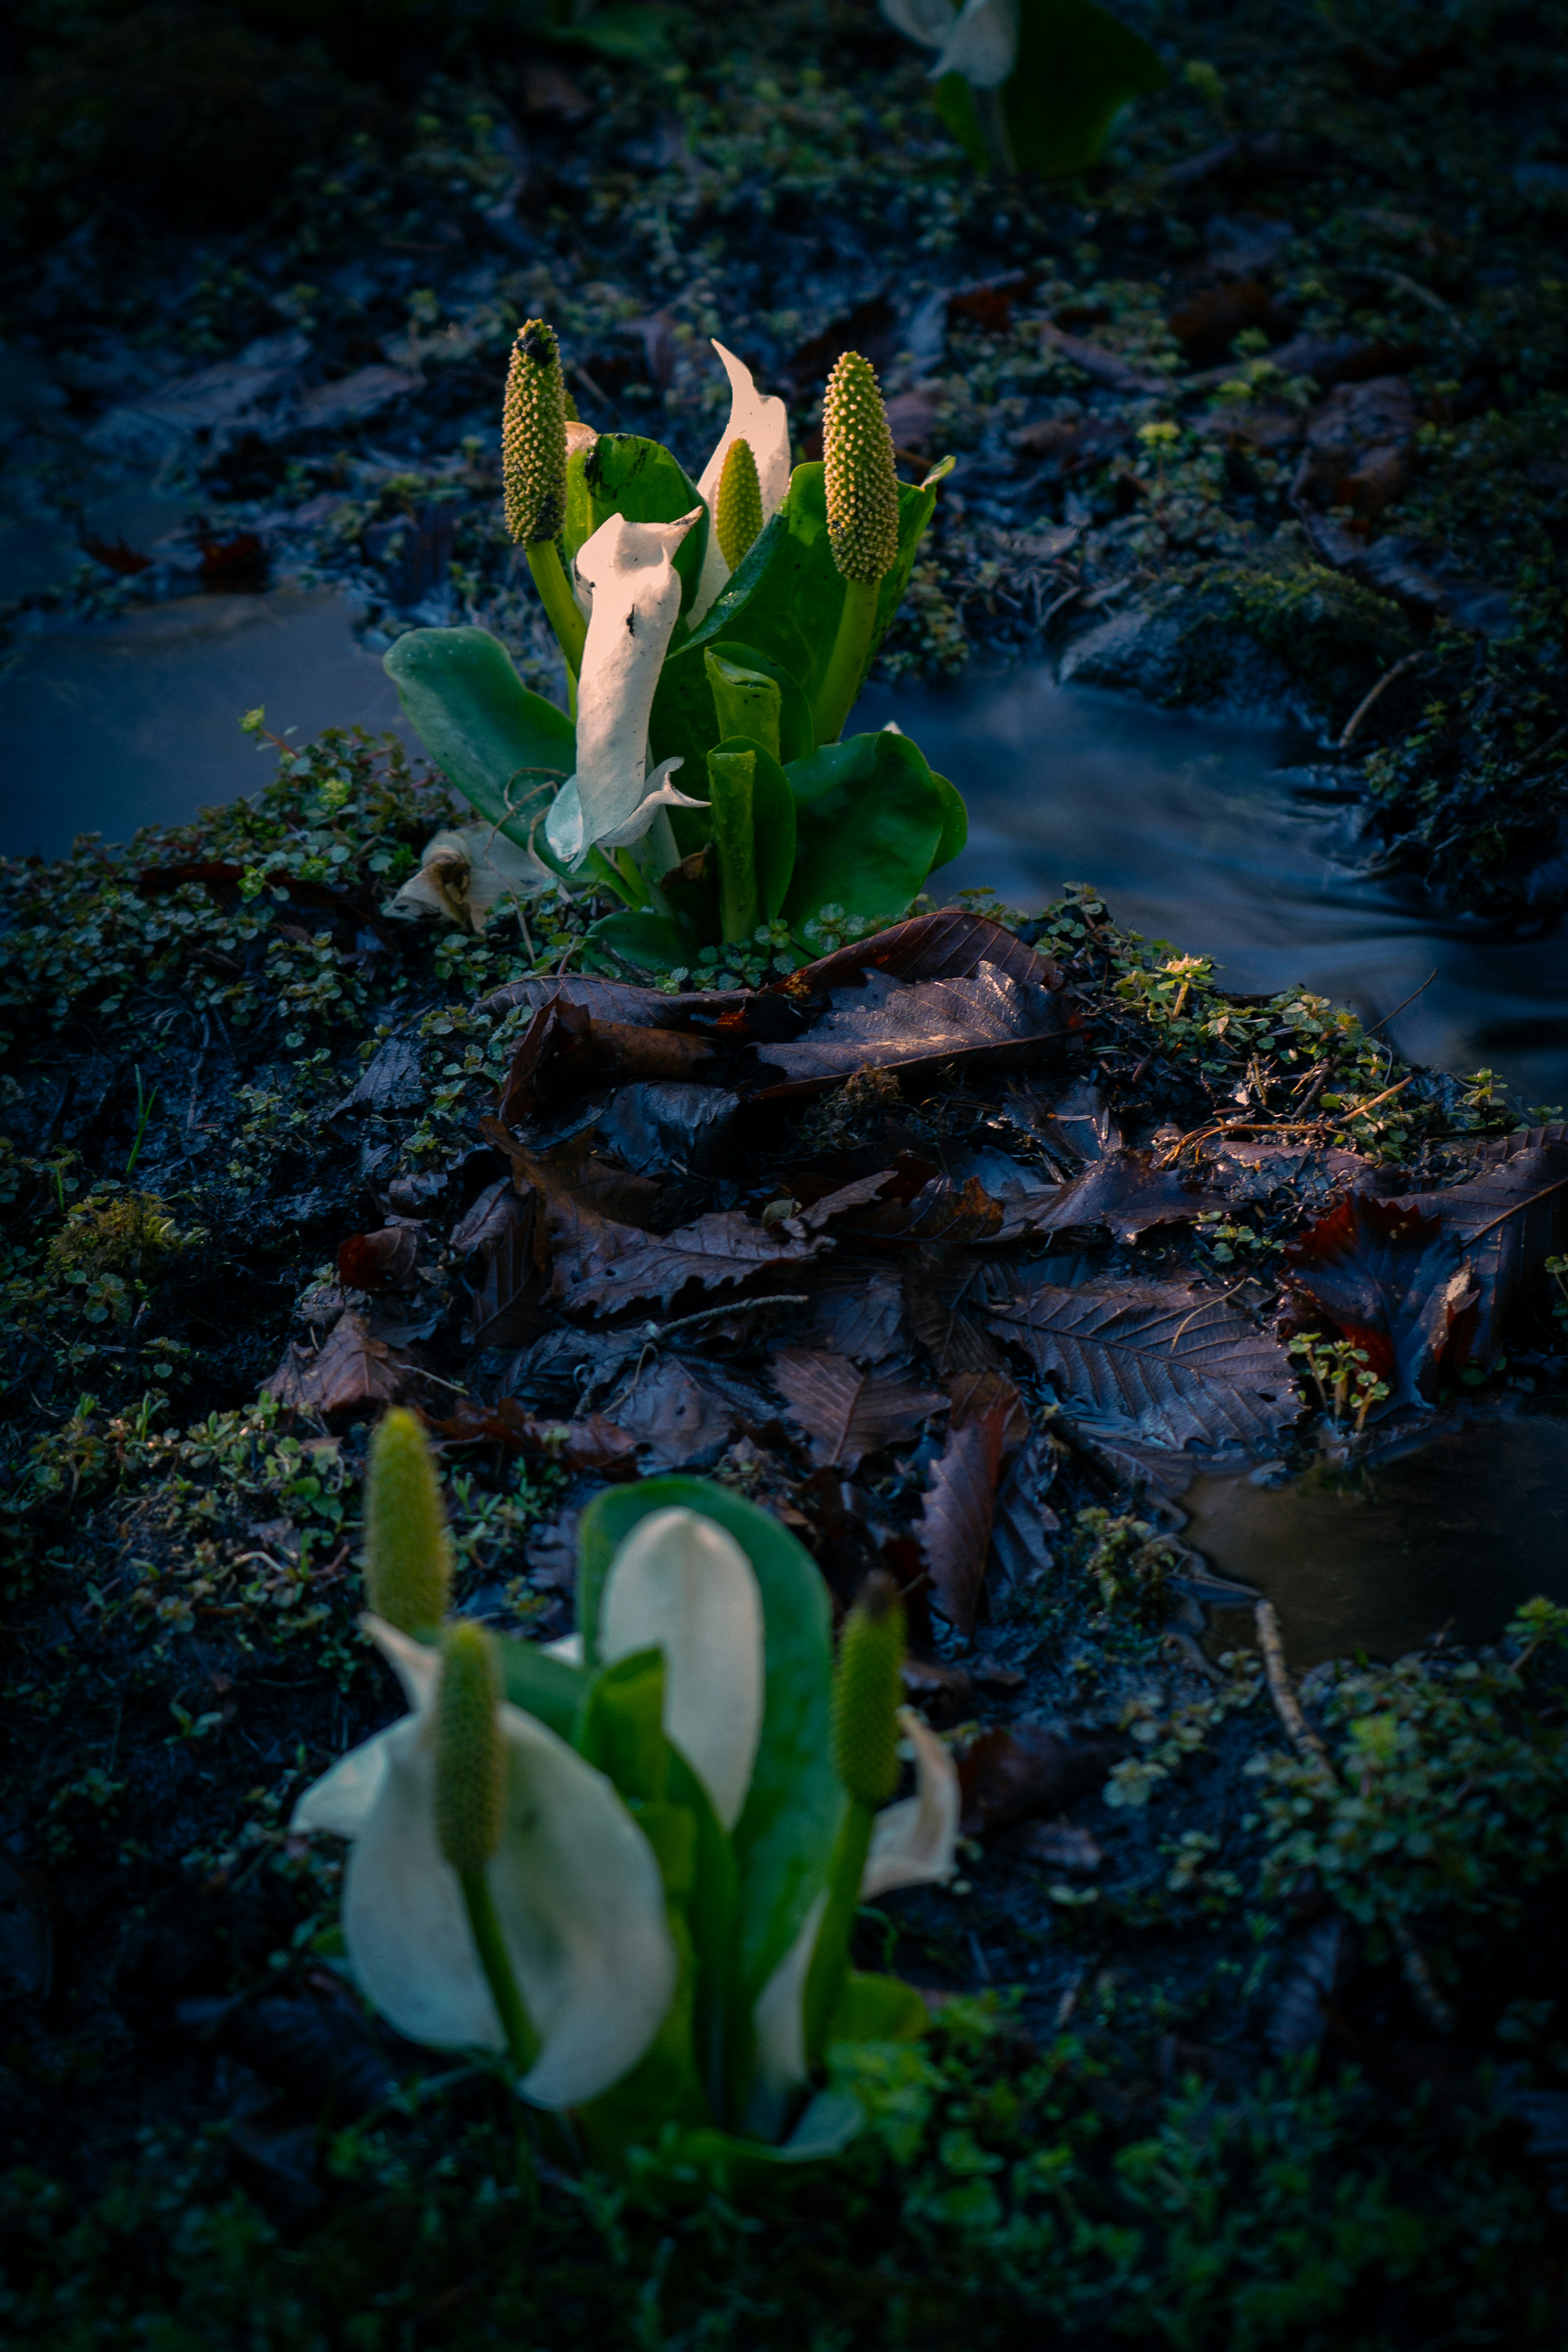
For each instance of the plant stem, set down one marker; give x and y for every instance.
(522, 2041)
(143, 1113)
(847, 661)
(992, 120)
(561, 607)
(831, 1957)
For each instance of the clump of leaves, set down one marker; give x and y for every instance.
(1449, 1795)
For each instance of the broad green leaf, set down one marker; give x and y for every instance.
(505, 747)
(684, 2167)
(876, 2008)
(626, 473)
(547, 1687)
(870, 821)
(685, 723)
(650, 943)
(773, 819)
(784, 1837)
(786, 599)
(638, 31)
(620, 1728)
(1077, 67)
(955, 820)
(745, 701)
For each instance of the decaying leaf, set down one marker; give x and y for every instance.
(955, 1524)
(1175, 1368)
(1124, 1191)
(507, 1307)
(351, 1373)
(948, 1298)
(379, 1260)
(857, 1308)
(1317, 1961)
(1393, 1280)
(599, 1266)
(1031, 1767)
(1024, 1522)
(1511, 1215)
(594, 1444)
(687, 1415)
(846, 1412)
(566, 1045)
(884, 1024)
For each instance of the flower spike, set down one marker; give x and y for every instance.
(408, 1552)
(867, 1691)
(738, 509)
(534, 437)
(533, 441)
(470, 1768)
(861, 484)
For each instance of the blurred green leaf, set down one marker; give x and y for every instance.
(871, 818)
(1077, 67)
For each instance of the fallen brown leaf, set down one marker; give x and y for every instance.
(379, 1260)
(847, 1413)
(351, 1373)
(1031, 1767)
(954, 1523)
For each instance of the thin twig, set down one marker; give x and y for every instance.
(1398, 1009)
(1417, 1975)
(1528, 1203)
(659, 1331)
(1287, 1705)
(1353, 724)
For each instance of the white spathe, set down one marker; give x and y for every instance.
(463, 874)
(628, 572)
(680, 1584)
(761, 419)
(913, 1844)
(576, 1889)
(979, 40)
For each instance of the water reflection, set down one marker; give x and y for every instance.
(135, 721)
(1198, 833)
(1455, 1535)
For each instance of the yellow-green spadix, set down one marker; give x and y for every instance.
(761, 420)
(575, 1883)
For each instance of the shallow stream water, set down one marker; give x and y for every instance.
(1195, 831)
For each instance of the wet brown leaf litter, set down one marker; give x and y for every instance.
(960, 1249)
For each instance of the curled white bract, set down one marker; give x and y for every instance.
(763, 420)
(464, 874)
(979, 40)
(680, 1584)
(627, 570)
(913, 1844)
(577, 1890)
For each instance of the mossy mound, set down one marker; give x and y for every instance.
(1277, 631)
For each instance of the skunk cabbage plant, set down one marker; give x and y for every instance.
(632, 1871)
(1030, 85)
(715, 637)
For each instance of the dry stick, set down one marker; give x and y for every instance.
(1528, 1203)
(1353, 724)
(1398, 1009)
(1315, 1756)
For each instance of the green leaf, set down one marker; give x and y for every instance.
(783, 1839)
(636, 30)
(685, 2166)
(1077, 67)
(954, 820)
(651, 942)
(685, 721)
(624, 474)
(773, 819)
(871, 818)
(876, 2008)
(543, 1686)
(745, 701)
(786, 599)
(507, 750)
(621, 1726)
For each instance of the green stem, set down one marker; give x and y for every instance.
(522, 2041)
(561, 607)
(732, 782)
(831, 1957)
(991, 115)
(847, 661)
